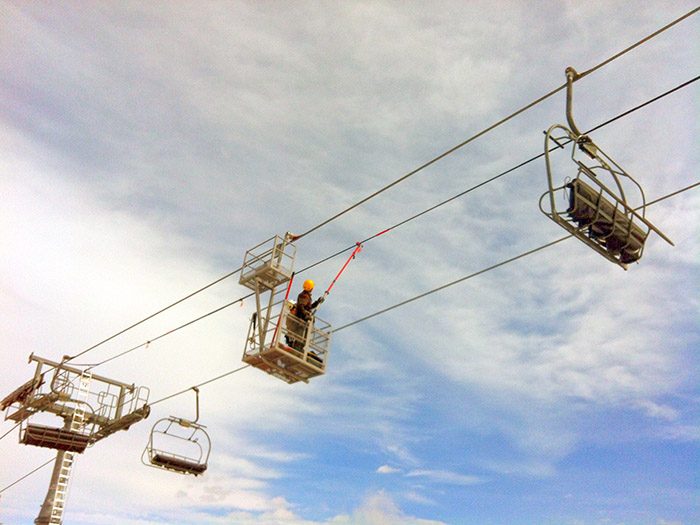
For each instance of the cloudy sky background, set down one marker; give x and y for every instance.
(145, 147)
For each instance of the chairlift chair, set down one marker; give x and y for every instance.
(598, 211)
(178, 445)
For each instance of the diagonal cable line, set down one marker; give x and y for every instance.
(503, 173)
(529, 252)
(180, 327)
(430, 292)
(493, 267)
(640, 106)
(225, 374)
(640, 42)
(189, 296)
(497, 124)
(376, 193)
(10, 431)
(399, 224)
(27, 475)
(404, 177)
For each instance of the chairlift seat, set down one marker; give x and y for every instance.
(599, 214)
(178, 445)
(56, 438)
(609, 224)
(178, 464)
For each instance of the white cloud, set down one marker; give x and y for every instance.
(535, 468)
(386, 469)
(376, 509)
(419, 498)
(657, 410)
(682, 433)
(242, 467)
(441, 476)
(380, 509)
(140, 162)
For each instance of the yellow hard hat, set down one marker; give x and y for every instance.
(308, 285)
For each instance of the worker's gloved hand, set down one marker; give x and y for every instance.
(321, 299)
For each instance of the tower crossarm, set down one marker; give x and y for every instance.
(122, 423)
(40, 403)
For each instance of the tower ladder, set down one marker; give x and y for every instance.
(76, 425)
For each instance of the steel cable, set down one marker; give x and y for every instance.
(231, 372)
(395, 226)
(497, 124)
(381, 190)
(497, 265)
(404, 177)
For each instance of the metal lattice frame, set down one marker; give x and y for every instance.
(89, 414)
(278, 342)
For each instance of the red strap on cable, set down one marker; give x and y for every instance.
(357, 250)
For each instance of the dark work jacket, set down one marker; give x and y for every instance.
(305, 306)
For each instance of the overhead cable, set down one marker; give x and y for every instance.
(425, 294)
(371, 196)
(493, 267)
(525, 254)
(495, 177)
(10, 431)
(27, 475)
(225, 374)
(404, 177)
(395, 226)
(154, 314)
(188, 323)
(497, 124)
(639, 43)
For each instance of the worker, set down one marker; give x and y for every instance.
(305, 303)
(302, 314)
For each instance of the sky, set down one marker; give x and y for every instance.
(145, 146)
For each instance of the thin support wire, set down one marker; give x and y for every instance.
(378, 313)
(147, 343)
(401, 223)
(226, 374)
(381, 190)
(406, 176)
(500, 122)
(425, 294)
(27, 475)
(502, 174)
(154, 314)
(497, 265)
(637, 44)
(10, 431)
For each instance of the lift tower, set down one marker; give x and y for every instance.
(92, 407)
